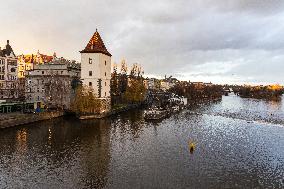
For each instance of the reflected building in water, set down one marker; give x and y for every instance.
(79, 151)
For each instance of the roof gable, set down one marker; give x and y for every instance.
(8, 51)
(96, 45)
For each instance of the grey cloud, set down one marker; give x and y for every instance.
(185, 38)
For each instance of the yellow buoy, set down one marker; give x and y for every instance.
(191, 146)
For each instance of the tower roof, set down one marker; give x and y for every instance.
(96, 45)
(8, 51)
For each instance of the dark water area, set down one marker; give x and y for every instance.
(239, 144)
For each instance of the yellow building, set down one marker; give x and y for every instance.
(26, 62)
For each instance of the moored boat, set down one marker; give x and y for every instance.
(154, 114)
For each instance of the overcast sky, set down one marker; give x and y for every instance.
(223, 41)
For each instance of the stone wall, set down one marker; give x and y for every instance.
(22, 119)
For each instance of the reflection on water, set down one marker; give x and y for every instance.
(127, 152)
(247, 109)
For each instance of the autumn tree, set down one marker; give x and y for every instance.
(85, 101)
(135, 91)
(123, 67)
(114, 85)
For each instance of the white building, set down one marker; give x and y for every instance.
(168, 83)
(152, 83)
(96, 67)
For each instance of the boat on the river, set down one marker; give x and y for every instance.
(176, 109)
(155, 114)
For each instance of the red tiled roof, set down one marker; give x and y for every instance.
(46, 58)
(96, 45)
(32, 58)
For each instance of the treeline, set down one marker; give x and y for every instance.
(127, 88)
(197, 92)
(271, 92)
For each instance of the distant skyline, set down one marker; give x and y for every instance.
(236, 41)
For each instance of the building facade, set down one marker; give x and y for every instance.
(96, 68)
(168, 83)
(49, 85)
(8, 74)
(152, 84)
(27, 62)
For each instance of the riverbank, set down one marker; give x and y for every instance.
(115, 110)
(268, 97)
(15, 119)
(18, 118)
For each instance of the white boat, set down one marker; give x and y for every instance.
(154, 114)
(175, 109)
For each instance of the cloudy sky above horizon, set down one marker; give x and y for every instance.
(234, 41)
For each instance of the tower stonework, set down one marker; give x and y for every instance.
(96, 69)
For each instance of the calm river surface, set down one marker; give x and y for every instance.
(239, 144)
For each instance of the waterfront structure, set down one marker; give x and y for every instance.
(96, 69)
(8, 74)
(50, 85)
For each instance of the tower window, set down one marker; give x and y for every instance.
(105, 63)
(105, 83)
(90, 73)
(105, 74)
(90, 84)
(105, 93)
(42, 72)
(90, 61)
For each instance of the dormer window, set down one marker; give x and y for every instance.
(90, 61)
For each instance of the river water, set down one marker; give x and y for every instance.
(239, 144)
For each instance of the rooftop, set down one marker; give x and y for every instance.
(8, 51)
(96, 45)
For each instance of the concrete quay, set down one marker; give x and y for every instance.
(15, 119)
